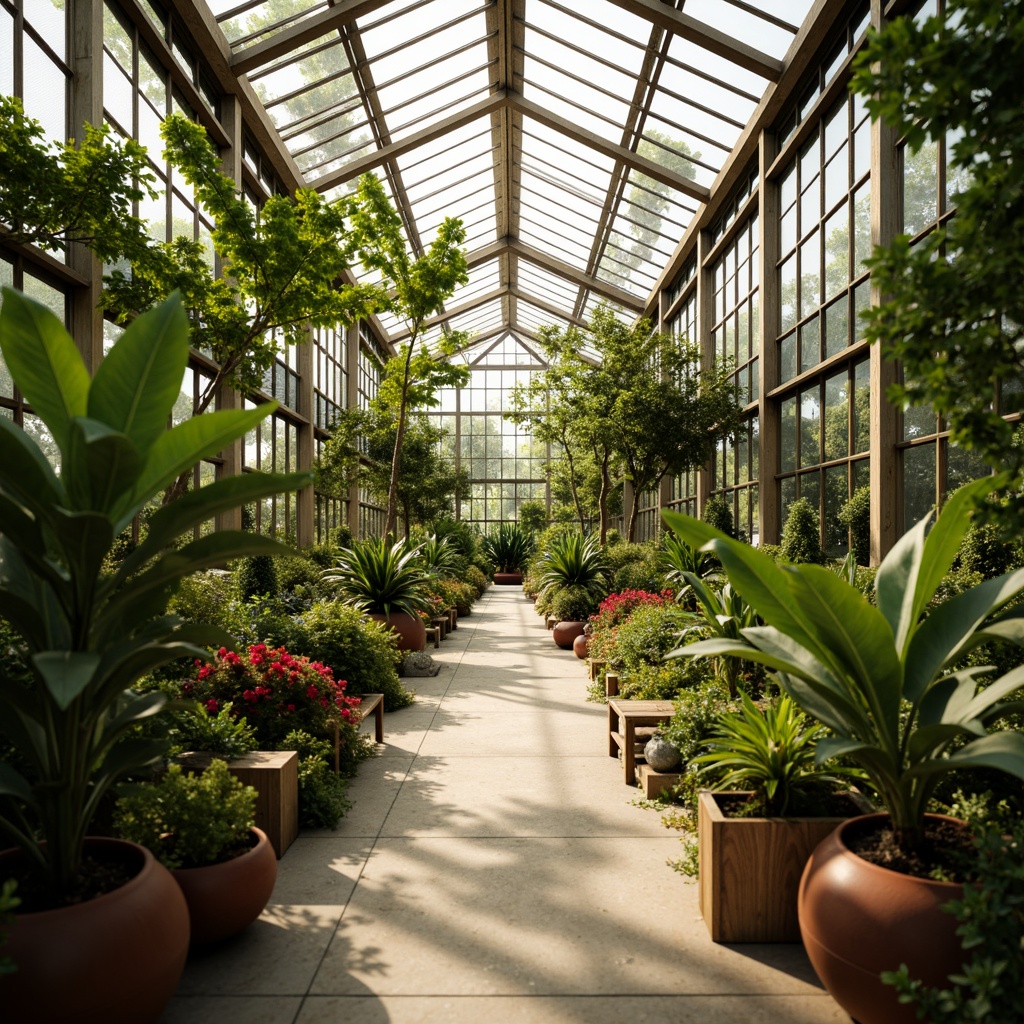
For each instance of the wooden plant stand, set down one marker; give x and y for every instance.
(624, 717)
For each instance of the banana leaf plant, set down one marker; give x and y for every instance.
(90, 628)
(885, 678)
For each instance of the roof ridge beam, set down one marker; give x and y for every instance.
(337, 16)
(709, 38)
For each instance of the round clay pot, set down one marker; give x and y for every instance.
(116, 959)
(565, 633)
(508, 579)
(858, 919)
(660, 755)
(412, 634)
(224, 899)
(579, 646)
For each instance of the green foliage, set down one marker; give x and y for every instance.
(663, 681)
(379, 577)
(322, 794)
(855, 515)
(771, 751)
(508, 546)
(189, 820)
(57, 193)
(718, 513)
(801, 535)
(679, 558)
(533, 515)
(359, 650)
(953, 312)
(222, 733)
(573, 604)
(439, 557)
(571, 559)
(476, 579)
(650, 632)
(991, 922)
(884, 679)
(90, 633)
(696, 714)
(205, 597)
(256, 576)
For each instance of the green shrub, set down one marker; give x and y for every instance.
(189, 820)
(985, 550)
(298, 574)
(650, 632)
(256, 576)
(697, 711)
(358, 649)
(645, 574)
(801, 536)
(205, 597)
(339, 537)
(718, 513)
(664, 681)
(323, 798)
(223, 733)
(855, 515)
(533, 515)
(476, 579)
(573, 604)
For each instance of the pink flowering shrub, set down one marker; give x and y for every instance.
(275, 693)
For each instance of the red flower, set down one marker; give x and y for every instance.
(212, 706)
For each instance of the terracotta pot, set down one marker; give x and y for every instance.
(565, 633)
(508, 579)
(579, 646)
(412, 634)
(116, 959)
(224, 899)
(858, 919)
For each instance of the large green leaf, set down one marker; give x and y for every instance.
(18, 526)
(25, 473)
(994, 692)
(65, 674)
(1001, 750)
(179, 449)
(85, 539)
(44, 362)
(942, 635)
(139, 380)
(101, 466)
(927, 740)
(170, 521)
(947, 698)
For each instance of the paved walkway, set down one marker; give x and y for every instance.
(493, 869)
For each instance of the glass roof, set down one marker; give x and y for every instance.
(575, 141)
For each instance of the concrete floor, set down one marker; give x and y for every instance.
(493, 868)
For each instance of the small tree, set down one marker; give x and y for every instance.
(801, 536)
(718, 513)
(855, 515)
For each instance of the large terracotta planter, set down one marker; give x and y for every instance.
(750, 870)
(116, 959)
(579, 646)
(565, 633)
(412, 634)
(224, 899)
(508, 579)
(858, 919)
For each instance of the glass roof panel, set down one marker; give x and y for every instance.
(552, 287)
(534, 318)
(245, 23)
(748, 26)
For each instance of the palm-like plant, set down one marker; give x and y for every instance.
(572, 560)
(679, 558)
(380, 577)
(771, 752)
(509, 547)
(90, 631)
(722, 614)
(884, 679)
(439, 558)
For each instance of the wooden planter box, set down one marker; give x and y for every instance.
(750, 870)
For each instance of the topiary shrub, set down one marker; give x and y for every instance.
(801, 536)
(256, 576)
(855, 515)
(573, 604)
(718, 513)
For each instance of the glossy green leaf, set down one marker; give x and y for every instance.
(1001, 750)
(85, 539)
(101, 467)
(25, 473)
(137, 383)
(993, 692)
(66, 674)
(928, 740)
(182, 447)
(44, 362)
(948, 697)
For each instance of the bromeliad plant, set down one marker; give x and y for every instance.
(884, 679)
(381, 578)
(509, 547)
(771, 752)
(90, 631)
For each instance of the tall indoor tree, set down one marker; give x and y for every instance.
(953, 309)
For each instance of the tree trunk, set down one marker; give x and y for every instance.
(633, 512)
(606, 486)
(391, 523)
(572, 486)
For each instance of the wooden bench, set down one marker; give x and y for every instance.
(370, 702)
(624, 717)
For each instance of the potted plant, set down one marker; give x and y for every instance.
(388, 583)
(571, 607)
(201, 827)
(885, 680)
(89, 629)
(509, 548)
(572, 560)
(772, 804)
